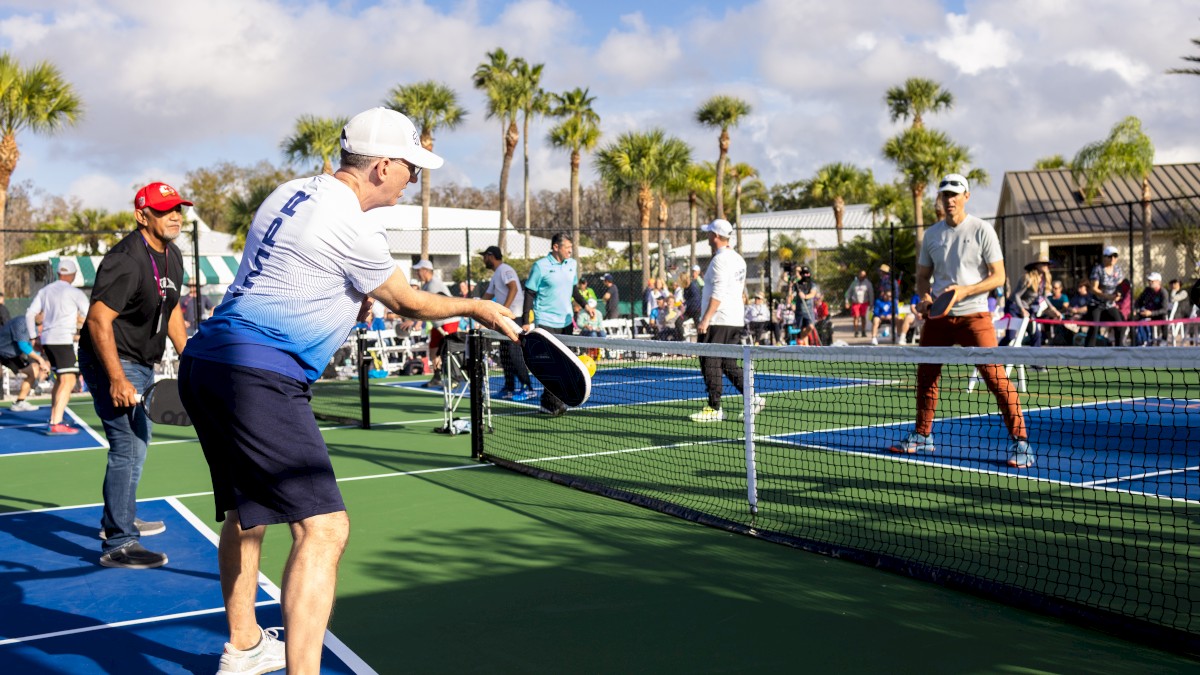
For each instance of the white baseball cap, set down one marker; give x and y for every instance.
(67, 266)
(719, 227)
(1110, 250)
(383, 132)
(955, 182)
(1154, 276)
(422, 265)
(695, 268)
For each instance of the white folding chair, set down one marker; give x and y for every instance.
(1026, 322)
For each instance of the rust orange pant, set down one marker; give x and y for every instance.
(972, 330)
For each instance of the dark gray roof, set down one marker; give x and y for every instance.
(1050, 202)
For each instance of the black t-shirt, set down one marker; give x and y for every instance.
(612, 308)
(5, 317)
(125, 283)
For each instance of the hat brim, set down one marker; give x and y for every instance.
(423, 158)
(1035, 264)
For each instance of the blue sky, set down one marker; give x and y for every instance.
(197, 82)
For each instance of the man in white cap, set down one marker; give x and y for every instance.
(442, 330)
(312, 266)
(723, 318)
(54, 318)
(1153, 304)
(961, 253)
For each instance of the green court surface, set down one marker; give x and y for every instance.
(459, 567)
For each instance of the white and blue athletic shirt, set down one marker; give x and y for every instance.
(553, 282)
(310, 259)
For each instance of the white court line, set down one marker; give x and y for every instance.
(122, 624)
(336, 646)
(1140, 476)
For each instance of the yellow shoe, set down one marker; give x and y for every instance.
(709, 414)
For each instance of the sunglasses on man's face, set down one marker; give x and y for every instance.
(414, 171)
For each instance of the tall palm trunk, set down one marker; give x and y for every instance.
(839, 215)
(9, 154)
(575, 196)
(662, 232)
(737, 214)
(1146, 225)
(525, 204)
(694, 213)
(510, 145)
(918, 191)
(723, 145)
(645, 202)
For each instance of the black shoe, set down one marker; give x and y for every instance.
(133, 556)
(543, 410)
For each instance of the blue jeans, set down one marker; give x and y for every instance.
(128, 433)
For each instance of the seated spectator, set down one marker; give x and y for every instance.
(1151, 305)
(589, 321)
(1179, 298)
(912, 322)
(1030, 301)
(785, 316)
(883, 312)
(1105, 297)
(758, 320)
(1061, 303)
(662, 319)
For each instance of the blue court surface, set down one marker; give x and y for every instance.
(640, 385)
(64, 613)
(22, 432)
(1145, 446)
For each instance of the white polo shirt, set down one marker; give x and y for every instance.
(60, 305)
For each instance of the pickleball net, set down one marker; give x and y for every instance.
(341, 395)
(1101, 529)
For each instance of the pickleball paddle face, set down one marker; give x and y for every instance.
(556, 367)
(163, 405)
(942, 305)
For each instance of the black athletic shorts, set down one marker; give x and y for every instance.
(61, 358)
(15, 363)
(265, 454)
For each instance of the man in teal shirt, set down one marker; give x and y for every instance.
(549, 292)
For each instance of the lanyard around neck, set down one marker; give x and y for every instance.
(162, 294)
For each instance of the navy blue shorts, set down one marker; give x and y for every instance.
(265, 453)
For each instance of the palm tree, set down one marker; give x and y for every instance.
(80, 232)
(496, 77)
(916, 97)
(886, 200)
(640, 163)
(786, 248)
(579, 132)
(722, 112)
(1050, 162)
(1127, 153)
(240, 210)
(837, 182)
(315, 139)
(36, 98)
(922, 155)
(695, 182)
(533, 101)
(431, 106)
(1189, 59)
(738, 173)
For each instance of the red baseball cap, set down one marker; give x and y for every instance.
(158, 196)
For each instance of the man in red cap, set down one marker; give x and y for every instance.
(134, 309)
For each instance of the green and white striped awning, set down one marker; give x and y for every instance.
(215, 270)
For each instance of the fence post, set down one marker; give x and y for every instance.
(632, 312)
(477, 374)
(1132, 268)
(467, 230)
(364, 376)
(196, 280)
(748, 413)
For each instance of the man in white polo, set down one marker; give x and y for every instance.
(53, 318)
(723, 318)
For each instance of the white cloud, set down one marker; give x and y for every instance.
(638, 55)
(1127, 68)
(972, 49)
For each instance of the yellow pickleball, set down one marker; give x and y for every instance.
(589, 363)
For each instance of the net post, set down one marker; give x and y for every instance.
(748, 416)
(477, 374)
(364, 374)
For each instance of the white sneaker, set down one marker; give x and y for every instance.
(874, 341)
(709, 414)
(902, 341)
(265, 657)
(756, 405)
(23, 406)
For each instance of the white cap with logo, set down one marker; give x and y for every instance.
(67, 266)
(383, 132)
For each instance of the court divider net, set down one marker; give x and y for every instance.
(1101, 529)
(341, 395)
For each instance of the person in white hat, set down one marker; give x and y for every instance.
(312, 266)
(53, 319)
(1153, 304)
(723, 318)
(961, 253)
(1105, 295)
